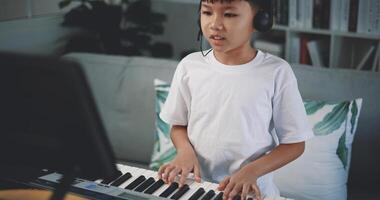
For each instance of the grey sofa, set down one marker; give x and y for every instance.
(123, 88)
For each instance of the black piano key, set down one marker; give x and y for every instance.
(121, 179)
(182, 190)
(154, 187)
(198, 194)
(219, 196)
(136, 182)
(169, 190)
(145, 184)
(237, 197)
(209, 195)
(110, 179)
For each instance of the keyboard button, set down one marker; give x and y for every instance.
(169, 190)
(136, 182)
(219, 196)
(112, 178)
(237, 197)
(122, 179)
(209, 195)
(180, 192)
(145, 185)
(197, 194)
(155, 187)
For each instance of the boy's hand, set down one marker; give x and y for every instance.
(241, 183)
(185, 162)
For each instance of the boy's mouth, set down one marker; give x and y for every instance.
(216, 37)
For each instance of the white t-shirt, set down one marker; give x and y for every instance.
(230, 111)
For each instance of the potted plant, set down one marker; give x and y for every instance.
(124, 28)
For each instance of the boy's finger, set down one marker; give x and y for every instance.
(244, 192)
(165, 175)
(256, 191)
(197, 174)
(223, 183)
(234, 192)
(173, 174)
(160, 171)
(228, 189)
(183, 178)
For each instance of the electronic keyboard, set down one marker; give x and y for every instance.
(137, 183)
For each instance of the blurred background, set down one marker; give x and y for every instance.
(321, 33)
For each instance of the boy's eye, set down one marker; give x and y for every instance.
(206, 13)
(230, 15)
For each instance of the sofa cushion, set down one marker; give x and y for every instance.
(124, 93)
(320, 173)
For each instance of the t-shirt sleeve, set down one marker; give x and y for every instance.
(176, 107)
(289, 114)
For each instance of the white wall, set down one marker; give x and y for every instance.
(16, 9)
(180, 29)
(181, 26)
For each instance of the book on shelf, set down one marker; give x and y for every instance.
(304, 53)
(274, 48)
(281, 12)
(365, 58)
(362, 16)
(376, 60)
(334, 15)
(369, 17)
(318, 50)
(353, 15)
(295, 43)
(344, 15)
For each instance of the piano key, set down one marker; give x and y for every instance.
(197, 194)
(148, 182)
(182, 190)
(136, 182)
(173, 187)
(155, 186)
(135, 173)
(219, 196)
(208, 195)
(112, 178)
(194, 187)
(121, 179)
(160, 190)
(237, 197)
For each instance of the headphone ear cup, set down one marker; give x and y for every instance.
(263, 21)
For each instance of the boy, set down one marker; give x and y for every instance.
(223, 106)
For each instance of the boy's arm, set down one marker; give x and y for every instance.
(185, 160)
(278, 157)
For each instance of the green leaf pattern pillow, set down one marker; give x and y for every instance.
(321, 172)
(163, 150)
(330, 118)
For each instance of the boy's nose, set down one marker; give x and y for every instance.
(217, 23)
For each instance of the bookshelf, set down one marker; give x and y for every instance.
(335, 48)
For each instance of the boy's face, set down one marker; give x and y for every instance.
(227, 26)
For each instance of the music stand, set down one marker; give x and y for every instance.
(49, 120)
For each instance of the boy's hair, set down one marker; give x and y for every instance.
(253, 3)
(263, 21)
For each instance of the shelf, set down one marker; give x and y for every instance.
(328, 32)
